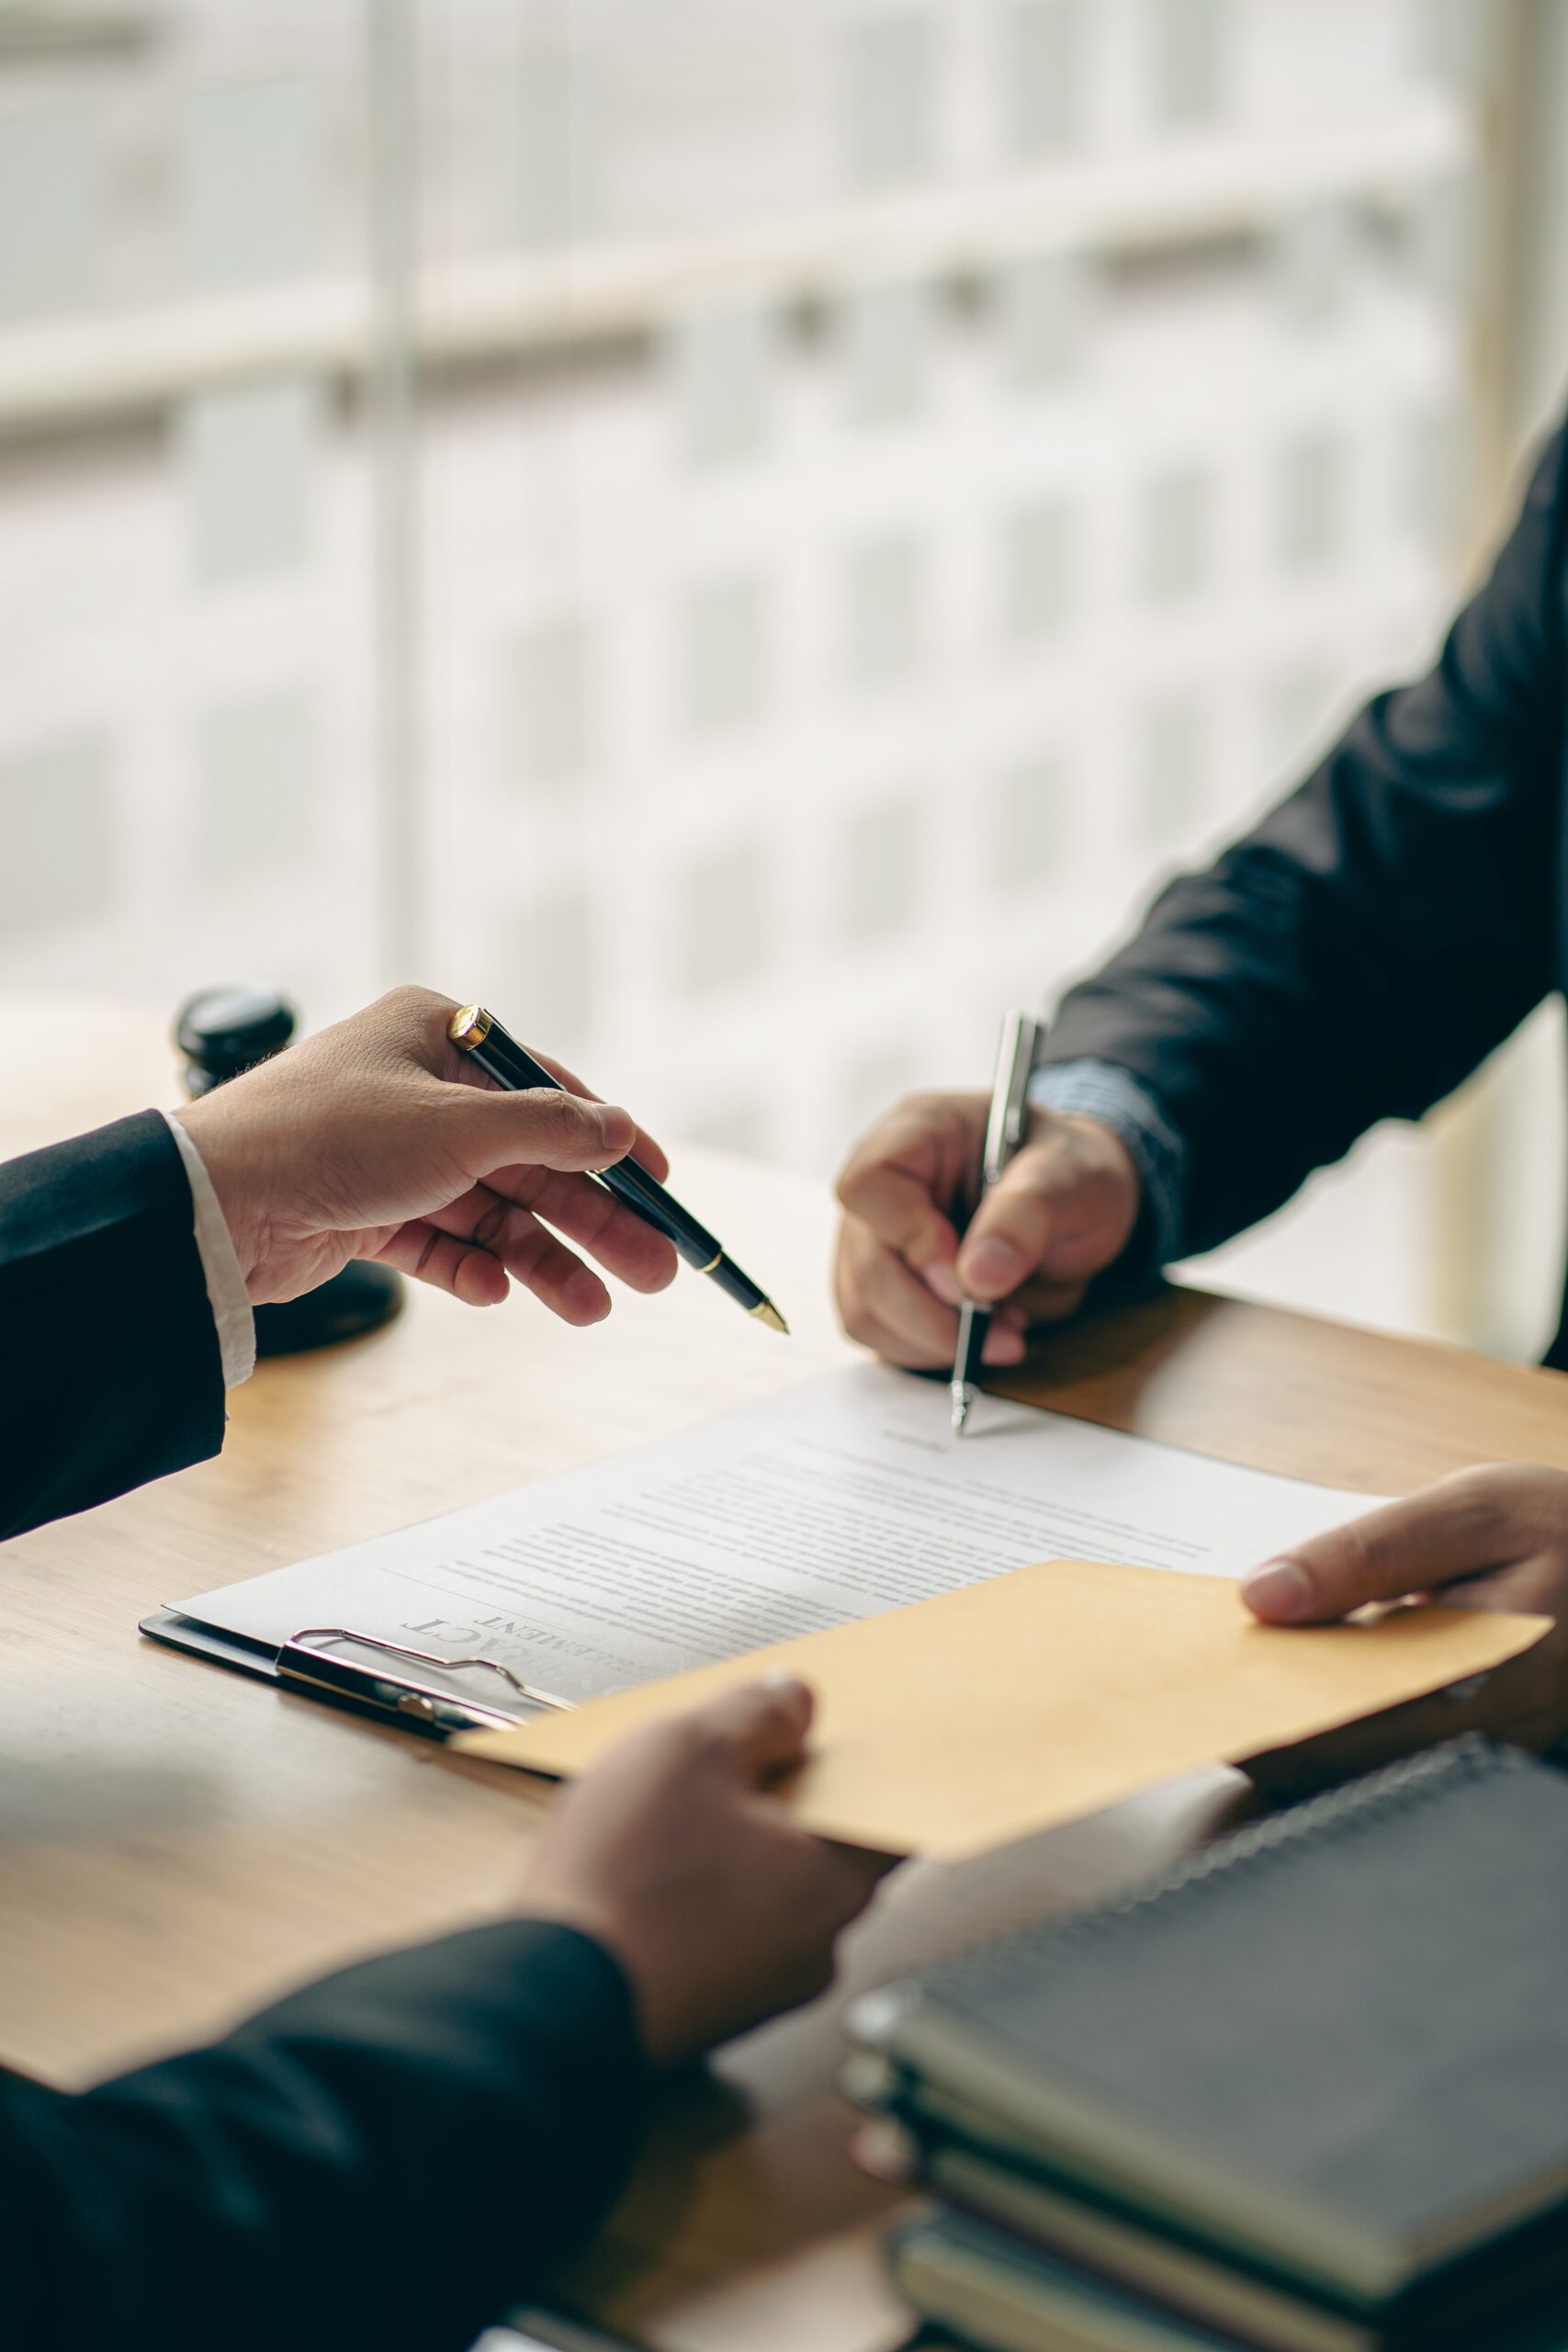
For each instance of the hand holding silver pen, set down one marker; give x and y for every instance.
(1005, 1131)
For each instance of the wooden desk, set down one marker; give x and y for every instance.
(177, 1845)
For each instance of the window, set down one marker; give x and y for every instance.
(721, 379)
(1313, 256)
(256, 771)
(1309, 503)
(720, 913)
(1296, 707)
(547, 161)
(1030, 823)
(890, 90)
(1041, 62)
(247, 185)
(1172, 753)
(58, 847)
(883, 335)
(552, 702)
(250, 464)
(1039, 558)
(724, 655)
(1042, 306)
(879, 870)
(1175, 550)
(546, 964)
(52, 225)
(885, 610)
(1187, 43)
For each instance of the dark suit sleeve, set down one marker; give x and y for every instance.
(113, 1374)
(1386, 926)
(389, 2158)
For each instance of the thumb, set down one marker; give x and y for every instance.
(1044, 1214)
(763, 1725)
(541, 1128)
(1405, 1547)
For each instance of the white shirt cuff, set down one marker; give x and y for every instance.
(220, 1268)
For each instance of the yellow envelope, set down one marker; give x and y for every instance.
(988, 1713)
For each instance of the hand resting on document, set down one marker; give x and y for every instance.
(376, 1138)
(674, 1857)
(1493, 1537)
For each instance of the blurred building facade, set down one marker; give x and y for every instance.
(888, 481)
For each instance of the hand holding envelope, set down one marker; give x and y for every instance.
(1009, 1706)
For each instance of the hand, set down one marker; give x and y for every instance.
(672, 1854)
(1489, 1538)
(378, 1140)
(1065, 1209)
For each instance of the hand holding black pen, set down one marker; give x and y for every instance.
(480, 1035)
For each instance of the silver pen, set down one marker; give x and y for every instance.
(1005, 1131)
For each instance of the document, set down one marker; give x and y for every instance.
(1000, 1710)
(827, 1503)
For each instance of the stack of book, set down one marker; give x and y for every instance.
(1307, 2093)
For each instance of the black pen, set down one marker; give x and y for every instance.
(480, 1035)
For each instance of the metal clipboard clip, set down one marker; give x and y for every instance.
(431, 1704)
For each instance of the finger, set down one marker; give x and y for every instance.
(582, 1212)
(429, 1014)
(1043, 1216)
(516, 1243)
(646, 1149)
(622, 1243)
(1004, 1345)
(887, 1344)
(541, 1129)
(1453, 1529)
(761, 1726)
(898, 1211)
(556, 1275)
(423, 1251)
(890, 1184)
(878, 1290)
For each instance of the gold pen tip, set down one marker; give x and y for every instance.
(768, 1313)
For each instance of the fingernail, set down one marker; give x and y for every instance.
(1282, 1591)
(943, 1283)
(1003, 1345)
(991, 1267)
(619, 1128)
(783, 1685)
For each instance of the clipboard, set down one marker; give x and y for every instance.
(418, 1689)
